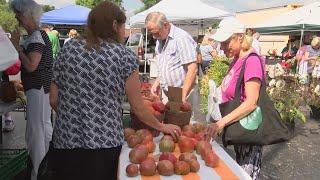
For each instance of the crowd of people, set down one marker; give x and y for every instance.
(85, 80)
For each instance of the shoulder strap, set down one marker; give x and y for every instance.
(241, 76)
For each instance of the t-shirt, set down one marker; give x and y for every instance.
(312, 52)
(252, 70)
(39, 42)
(55, 44)
(206, 52)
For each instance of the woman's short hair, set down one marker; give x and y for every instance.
(73, 33)
(315, 42)
(27, 8)
(101, 24)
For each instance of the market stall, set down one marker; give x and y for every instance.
(227, 168)
(202, 16)
(66, 16)
(303, 19)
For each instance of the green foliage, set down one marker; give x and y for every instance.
(46, 8)
(149, 3)
(7, 18)
(92, 3)
(288, 99)
(218, 69)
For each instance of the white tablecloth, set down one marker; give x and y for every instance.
(234, 171)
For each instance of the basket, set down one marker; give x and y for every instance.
(12, 162)
(175, 116)
(136, 124)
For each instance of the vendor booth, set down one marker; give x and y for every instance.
(69, 15)
(193, 13)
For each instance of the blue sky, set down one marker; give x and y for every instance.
(229, 5)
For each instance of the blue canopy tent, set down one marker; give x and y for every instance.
(69, 15)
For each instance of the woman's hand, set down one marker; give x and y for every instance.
(213, 130)
(171, 129)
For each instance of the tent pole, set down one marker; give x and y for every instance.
(145, 53)
(301, 39)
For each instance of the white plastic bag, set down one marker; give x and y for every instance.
(8, 53)
(316, 70)
(213, 102)
(303, 72)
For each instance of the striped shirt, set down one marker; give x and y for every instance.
(39, 42)
(178, 50)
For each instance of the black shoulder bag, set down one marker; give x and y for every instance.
(263, 126)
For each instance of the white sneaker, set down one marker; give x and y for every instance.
(8, 125)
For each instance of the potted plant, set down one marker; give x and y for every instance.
(287, 94)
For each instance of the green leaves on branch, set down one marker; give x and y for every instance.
(149, 3)
(92, 3)
(47, 8)
(218, 69)
(7, 18)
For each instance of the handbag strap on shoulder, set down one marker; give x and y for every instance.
(241, 76)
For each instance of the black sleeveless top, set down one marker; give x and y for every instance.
(41, 77)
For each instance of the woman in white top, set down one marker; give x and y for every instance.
(72, 34)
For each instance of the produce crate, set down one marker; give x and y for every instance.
(12, 162)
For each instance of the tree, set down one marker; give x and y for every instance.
(149, 3)
(7, 18)
(47, 8)
(92, 3)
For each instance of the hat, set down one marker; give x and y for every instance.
(227, 27)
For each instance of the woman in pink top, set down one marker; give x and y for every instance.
(237, 45)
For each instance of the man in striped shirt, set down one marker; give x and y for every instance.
(176, 52)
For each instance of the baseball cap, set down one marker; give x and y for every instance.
(227, 27)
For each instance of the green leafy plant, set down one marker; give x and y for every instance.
(218, 69)
(288, 96)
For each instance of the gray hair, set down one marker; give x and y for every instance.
(156, 17)
(28, 8)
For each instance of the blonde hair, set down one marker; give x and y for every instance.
(73, 33)
(206, 41)
(246, 42)
(315, 42)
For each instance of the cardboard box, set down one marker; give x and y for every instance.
(174, 115)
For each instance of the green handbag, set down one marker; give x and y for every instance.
(253, 120)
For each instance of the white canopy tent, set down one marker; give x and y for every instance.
(180, 10)
(189, 12)
(302, 19)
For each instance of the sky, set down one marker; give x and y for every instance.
(229, 5)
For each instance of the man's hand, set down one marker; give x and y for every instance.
(155, 86)
(171, 129)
